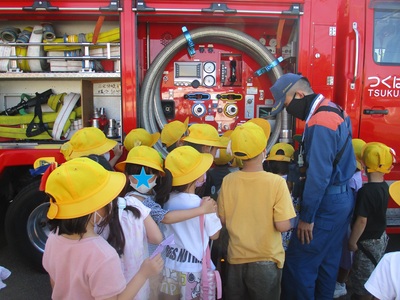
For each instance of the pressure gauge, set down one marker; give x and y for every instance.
(209, 67)
(209, 81)
(272, 42)
(262, 41)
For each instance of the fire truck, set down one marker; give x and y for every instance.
(145, 63)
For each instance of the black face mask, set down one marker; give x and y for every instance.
(299, 108)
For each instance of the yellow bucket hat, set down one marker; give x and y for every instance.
(172, 132)
(378, 157)
(287, 155)
(140, 136)
(264, 124)
(88, 140)
(80, 187)
(247, 141)
(358, 144)
(186, 164)
(204, 134)
(394, 191)
(144, 156)
(224, 157)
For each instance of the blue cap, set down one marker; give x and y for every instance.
(280, 88)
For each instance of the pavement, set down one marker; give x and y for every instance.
(27, 283)
(24, 282)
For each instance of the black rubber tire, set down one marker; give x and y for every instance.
(26, 224)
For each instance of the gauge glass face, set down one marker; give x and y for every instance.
(209, 80)
(209, 67)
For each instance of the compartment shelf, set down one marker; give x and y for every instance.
(61, 75)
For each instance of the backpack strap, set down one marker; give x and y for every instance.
(339, 111)
(35, 129)
(206, 264)
(367, 253)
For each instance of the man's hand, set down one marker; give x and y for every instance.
(352, 246)
(304, 232)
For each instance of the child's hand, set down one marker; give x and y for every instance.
(118, 150)
(152, 267)
(208, 205)
(353, 246)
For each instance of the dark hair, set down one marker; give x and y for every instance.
(163, 188)
(69, 226)
(171, 147)
(180, 188)
(277, 167)
(76, 225)
(116, 238)
(102, 161)
(198, 147)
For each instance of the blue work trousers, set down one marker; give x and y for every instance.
(310, 270)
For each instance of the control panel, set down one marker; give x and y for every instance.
(195, 73)
(213, 80)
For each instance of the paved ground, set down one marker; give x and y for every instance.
(26, 283)
(23, 283)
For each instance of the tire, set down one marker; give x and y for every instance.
(26, 224)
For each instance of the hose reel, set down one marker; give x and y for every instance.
(151, 116)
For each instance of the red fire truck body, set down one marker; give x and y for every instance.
(213, 62)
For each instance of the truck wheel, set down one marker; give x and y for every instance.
(26, 224)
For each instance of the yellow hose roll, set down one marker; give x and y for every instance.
(110, 36)
(22, 63)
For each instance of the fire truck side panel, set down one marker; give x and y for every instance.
(129, 61)
(347, 49)
(380, 105)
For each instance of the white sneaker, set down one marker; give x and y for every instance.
(340, 290)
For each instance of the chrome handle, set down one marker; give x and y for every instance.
(353, 83)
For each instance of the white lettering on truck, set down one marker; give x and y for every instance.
(391, 82)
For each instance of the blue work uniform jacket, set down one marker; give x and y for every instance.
(325, 134)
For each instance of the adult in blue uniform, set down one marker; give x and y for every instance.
(313, 256)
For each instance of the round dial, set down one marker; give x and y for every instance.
(272, 42)
(209, 67)
(263, 41)
(209, 81)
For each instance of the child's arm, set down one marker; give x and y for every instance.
(283, 226)
(207, 206)
(118, 150)
(356, 231)
(154, 234)
(52, 283)
(149, 268)
(215, 236)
